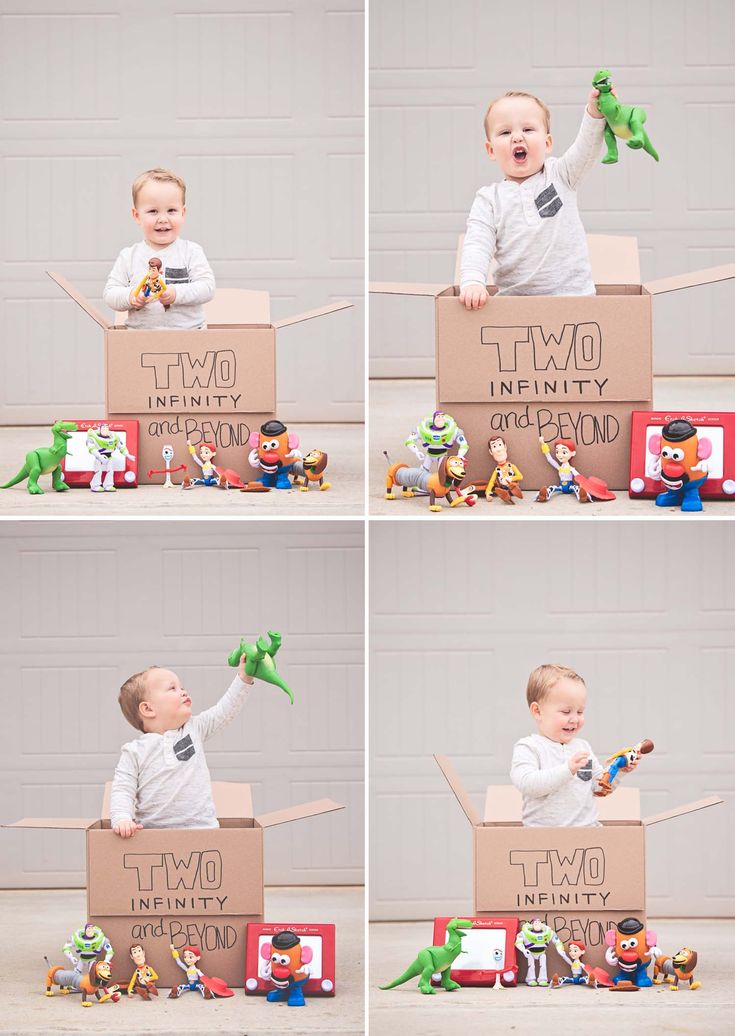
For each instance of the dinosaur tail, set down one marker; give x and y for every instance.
(23, 473)
(276, 680)
(412, 972)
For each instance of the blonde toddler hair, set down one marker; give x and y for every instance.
(544, 677)
(132, 693)
(518, 93)
(159, 176)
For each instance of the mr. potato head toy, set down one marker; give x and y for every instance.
(274, 451)
(680, 464)
(285, 964)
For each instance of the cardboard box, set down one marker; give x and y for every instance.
(524, 366)
(216, 385)
(187, 886)
(579, 880)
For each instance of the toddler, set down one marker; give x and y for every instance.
(159, 207)
(529, 221)
(162, 779)
(555, 770)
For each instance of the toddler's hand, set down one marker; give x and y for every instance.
(577, 761)
(245, 677)
(474, 296)
(127, 828)
(136, 301)
(592, 108)
(168, 297)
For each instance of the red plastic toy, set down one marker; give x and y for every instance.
(488, 956)
(716, 427)
(78, 467)
(317, 944)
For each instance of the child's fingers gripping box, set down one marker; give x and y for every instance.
(581, 881)
(559, 367)
(183, 886)
(216, 385)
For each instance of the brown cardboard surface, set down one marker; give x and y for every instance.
(229, 433)
(452, 778)
(503, 805)
(301, 812)
(238, 306)
(231, 799)
(408, 288)
(691, 280)
(613, 258)
(54, 823)
(539, 349)
(680, 811)
(309, 314)
(539, 868)
(80, 300)
(205, 872)
(590, 928)
(221, 370)
(601, 431)
(221, 940)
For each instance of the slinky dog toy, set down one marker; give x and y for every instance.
(621, 120)
(259, 660)
(438, 485)
(311, 469)
(436, 959)
(95, 982)
(621, 761)
(46, 460)
(676, 969)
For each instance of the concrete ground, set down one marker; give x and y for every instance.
(344, 443)
(396, 406)
(37, 922)
(404, 1011)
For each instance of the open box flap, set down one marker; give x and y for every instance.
(57, 823)
(460, 792)
(614, 259)
(400, 288)
(80, 300)
(503, 805)
(307, 809)
(232, 800)
(690, 280)
(238, 306)
(322, 311)
(679, 811)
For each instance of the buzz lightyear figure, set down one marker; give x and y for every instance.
(533, 942)
(103, 444)
(85, 945)
(434, 437)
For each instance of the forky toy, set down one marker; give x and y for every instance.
(623, 761)
(168, 455)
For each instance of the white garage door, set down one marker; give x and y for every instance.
(86, 604)
(645, 613)
(259, 109)
(435, 66)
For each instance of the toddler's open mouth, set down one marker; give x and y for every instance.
(519, 155)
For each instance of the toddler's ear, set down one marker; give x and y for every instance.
(489, 149)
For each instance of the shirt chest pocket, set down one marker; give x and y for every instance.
(548, 202)
(177, 275)
(179, 751)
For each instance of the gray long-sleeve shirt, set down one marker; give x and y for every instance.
(552, 795)
(184, 267)
(533, 229)
(162, 780)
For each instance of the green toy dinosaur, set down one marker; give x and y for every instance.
(436, 959)
(46, 461)
(621, 120)
(259, 660)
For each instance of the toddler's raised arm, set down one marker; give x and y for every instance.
(210, 721)
(577, 162)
